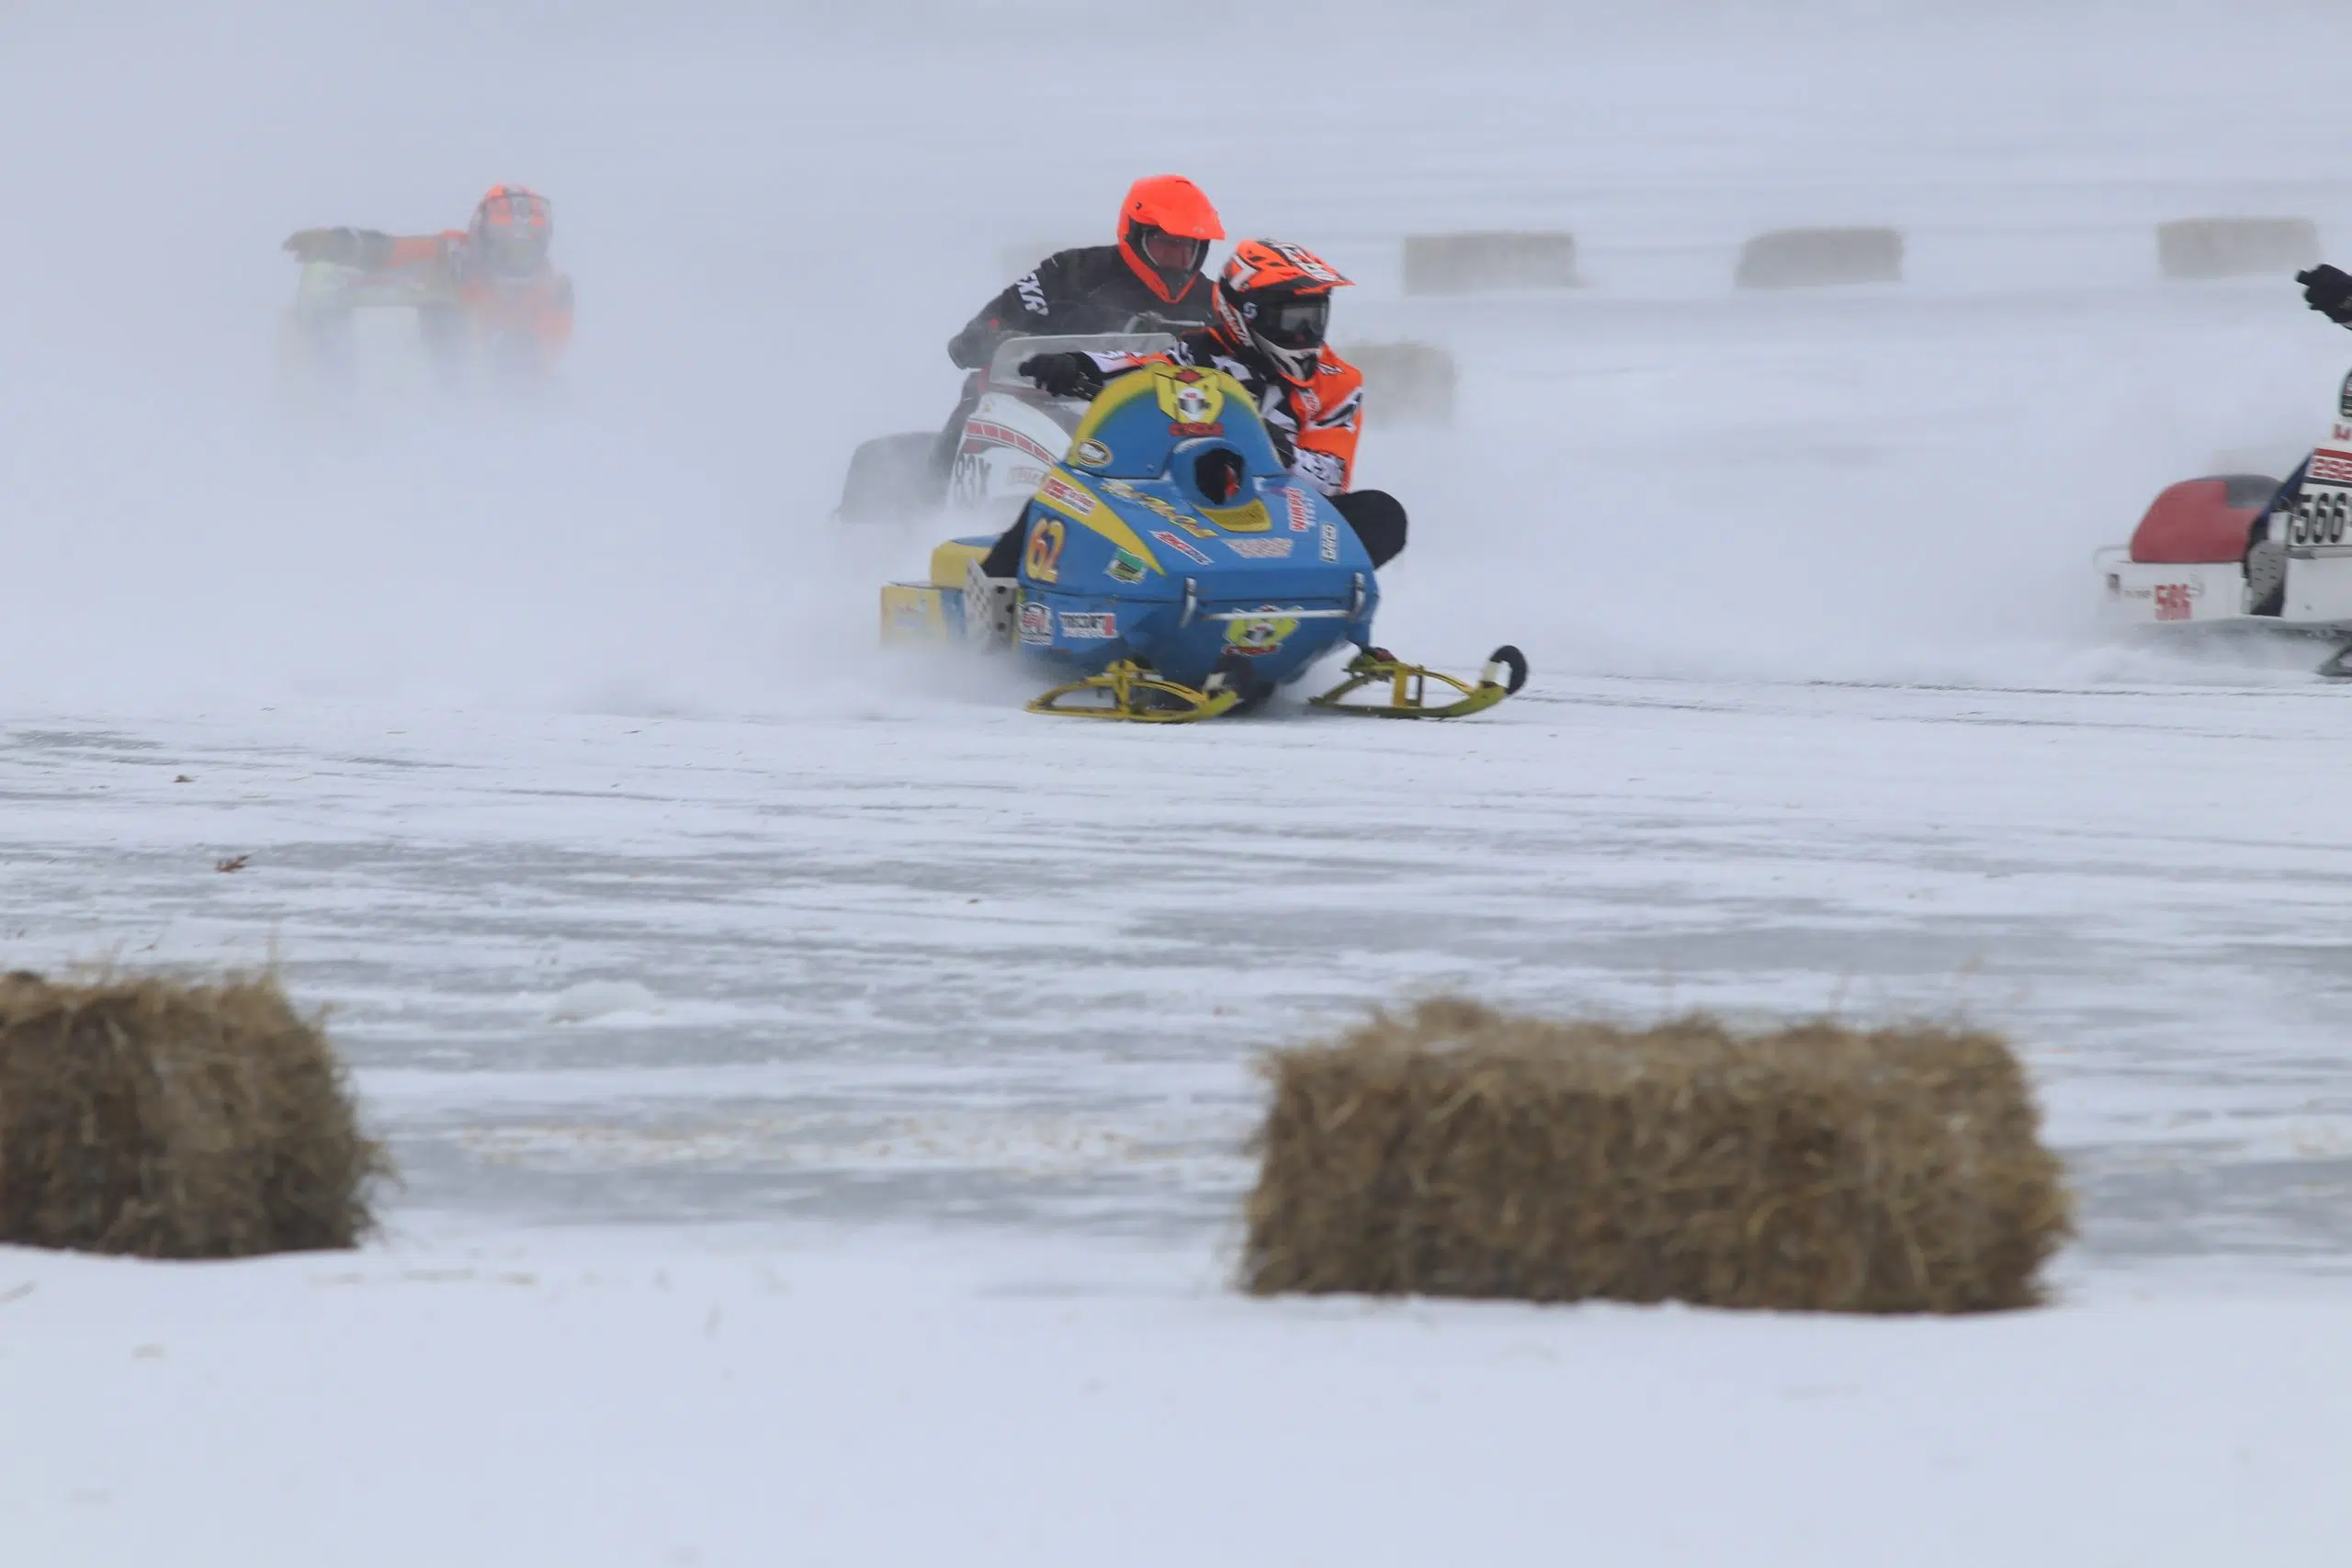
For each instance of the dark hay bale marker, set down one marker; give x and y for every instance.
(1818, 258)
(2236, 247)
(1488, 263)
(1454, 1151)
(168, 1119)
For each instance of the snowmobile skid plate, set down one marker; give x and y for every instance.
(1409, 695)
(1139, 694)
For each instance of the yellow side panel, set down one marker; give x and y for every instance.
(912, 612)
(951, 561)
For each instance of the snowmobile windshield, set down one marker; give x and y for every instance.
(1296, 322)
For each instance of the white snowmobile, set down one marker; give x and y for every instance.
(997, 456)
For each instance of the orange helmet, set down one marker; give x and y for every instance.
(511, 230)
(1275, 300)
(1165, 227)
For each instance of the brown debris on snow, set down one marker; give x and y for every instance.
(171, 1119)
(1456, 1151)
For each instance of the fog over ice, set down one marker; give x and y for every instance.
(777, 216)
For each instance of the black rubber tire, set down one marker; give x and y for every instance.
(1514, 664)
(890, 479)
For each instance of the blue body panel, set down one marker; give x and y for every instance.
(1121, 536)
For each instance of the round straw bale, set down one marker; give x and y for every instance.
(1455, 1151)
(172, 1119)
(1809, 258)
(1406, 383)
(2236, 247)
(1488, 263)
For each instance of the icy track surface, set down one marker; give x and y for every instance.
(948, 964)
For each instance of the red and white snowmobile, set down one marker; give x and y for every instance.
(2246, 551)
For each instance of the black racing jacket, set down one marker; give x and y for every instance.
(1091, 289)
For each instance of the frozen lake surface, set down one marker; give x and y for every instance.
(937, 962)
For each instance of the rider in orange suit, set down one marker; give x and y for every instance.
(500, 286)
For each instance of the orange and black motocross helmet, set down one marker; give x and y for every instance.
(512, 228)
(1274, 302)
(1165, 227)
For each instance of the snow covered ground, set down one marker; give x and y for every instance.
(822, 1088)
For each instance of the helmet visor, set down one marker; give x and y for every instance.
(1175, 254)
(1295, 322)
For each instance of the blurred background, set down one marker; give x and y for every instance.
(777, 215)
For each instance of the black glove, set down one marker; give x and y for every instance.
(338, 245)
(1071, 375)
(2328, 290)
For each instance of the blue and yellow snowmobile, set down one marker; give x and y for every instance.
(1174, 571)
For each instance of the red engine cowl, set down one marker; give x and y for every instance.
(2202, 520)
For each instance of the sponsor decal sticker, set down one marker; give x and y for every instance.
(1095, 624)
(1125, 566)
(2344, 399)
(1036, 622)
(1090, 455)
(1043, 558)
(1190, 396)
(1301, 510)
(1181, 545)
(1260, 635)
(2173, 601)
(1330, 541)
(2332, 467)
(1166, 511)
(1075, 500)
(1261, 549)
(1212, 427)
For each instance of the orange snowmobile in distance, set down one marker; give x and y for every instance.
(489, 294)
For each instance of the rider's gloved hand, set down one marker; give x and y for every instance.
(337, 246)
(1064, 375)
(2328, 290)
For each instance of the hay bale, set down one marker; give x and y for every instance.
(1455, 1151)
(1407, 383)
(167, 1119)
(2236, 247)
(1486, 263)
(1813, 258)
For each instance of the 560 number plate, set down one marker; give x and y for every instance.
(2319, 517)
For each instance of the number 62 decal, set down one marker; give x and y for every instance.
(1047, 537)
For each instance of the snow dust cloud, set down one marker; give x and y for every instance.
(777, 216)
